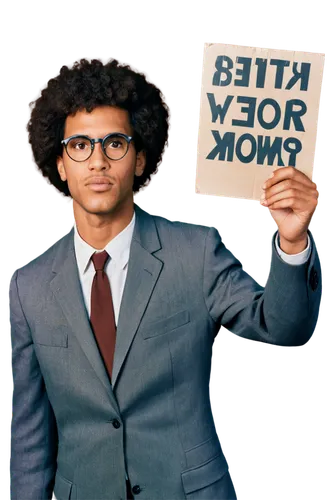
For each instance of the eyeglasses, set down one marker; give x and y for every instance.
(81, 147)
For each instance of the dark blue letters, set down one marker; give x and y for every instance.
(245, 72)
(260, 146)
(268, 112)
(218, 109)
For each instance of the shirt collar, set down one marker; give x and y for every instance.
(118, 248)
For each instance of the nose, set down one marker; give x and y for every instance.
(98, 158)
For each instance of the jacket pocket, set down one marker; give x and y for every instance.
(159, 327)
(205, 474)
(203, 452)
(56, 337)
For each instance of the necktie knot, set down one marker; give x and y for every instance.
(99, 259)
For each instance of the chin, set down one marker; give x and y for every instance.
(105, 209)
(99, 206)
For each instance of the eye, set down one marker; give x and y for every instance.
(114, 144)
(79, 144)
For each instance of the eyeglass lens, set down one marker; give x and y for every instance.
(79, 148)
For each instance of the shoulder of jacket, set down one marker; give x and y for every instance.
(42, 259)
(181, 227)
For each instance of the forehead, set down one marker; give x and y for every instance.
(101, 121)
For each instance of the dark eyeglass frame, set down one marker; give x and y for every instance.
(128, 139)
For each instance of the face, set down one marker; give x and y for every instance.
(118, 195)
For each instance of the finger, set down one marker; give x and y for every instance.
(290, 184)
(293, 203)
(317, 186)
(286, 193)
(289, 193)
(288, 173)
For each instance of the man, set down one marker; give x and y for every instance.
(112, 327)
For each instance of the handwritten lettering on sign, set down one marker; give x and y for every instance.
(259, 111)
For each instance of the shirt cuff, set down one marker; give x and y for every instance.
(294, 259)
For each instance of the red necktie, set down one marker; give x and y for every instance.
(102, 312)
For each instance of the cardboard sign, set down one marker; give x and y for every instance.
(258, 112)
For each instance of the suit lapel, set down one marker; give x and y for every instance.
(142, 274)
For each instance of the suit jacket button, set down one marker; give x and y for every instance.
(116, 423)
(136, 489)
(314, 279)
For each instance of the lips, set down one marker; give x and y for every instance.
(99, 180)
(100, 187)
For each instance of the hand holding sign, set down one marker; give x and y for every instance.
(292, 199)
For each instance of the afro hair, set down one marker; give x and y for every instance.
(85, 86)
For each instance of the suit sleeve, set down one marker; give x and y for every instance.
(284, 312)
(34, 438)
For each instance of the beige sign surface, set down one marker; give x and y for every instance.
(258, 111)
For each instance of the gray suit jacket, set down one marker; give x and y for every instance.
(74, 432)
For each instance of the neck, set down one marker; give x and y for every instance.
(98, 230)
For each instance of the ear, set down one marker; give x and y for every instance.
(61, 168)
(140, 163)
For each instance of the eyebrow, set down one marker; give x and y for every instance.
(87, 135)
